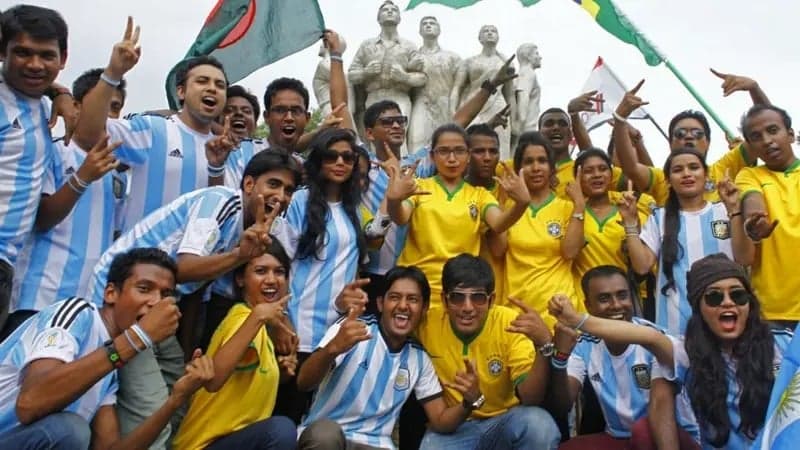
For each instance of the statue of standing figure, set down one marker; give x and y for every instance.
(387, 67)
(479, 68)
(432, 105)
(528, 91)
(322, 81)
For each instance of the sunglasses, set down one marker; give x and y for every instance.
(331, 156)
(477, 298)
(715, 298)
(282, 110)
(696, 133)
(391, 120)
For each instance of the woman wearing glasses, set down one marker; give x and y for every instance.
(726, 363)
(540, 247)
(686, 229)
(446, 215)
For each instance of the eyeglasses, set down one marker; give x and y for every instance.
(459, 152)
(715, 298)
(282, 110)
(388, 121)
(696, 133)
(332, 156)
(477, 298)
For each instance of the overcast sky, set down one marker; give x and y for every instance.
(754, 38)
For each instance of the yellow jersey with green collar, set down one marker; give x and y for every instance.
(498, 264)
(731, 162)
(564, 174)
(502, 359)
(776, 288)
(444, 224)
(535, 269)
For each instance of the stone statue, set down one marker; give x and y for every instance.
(387, 67)
(477, 69)
(322, 80)
(528, 91)
(432, 106)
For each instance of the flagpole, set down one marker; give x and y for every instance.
(649, 117)
(677, 74)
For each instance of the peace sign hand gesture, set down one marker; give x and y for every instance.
(504, 74)
(255, 240)
(402, 183)
(529, 323)
(631, 101)
(467, 383)
(125, 53)
(728, 193)
(627, 206)
(219, 147)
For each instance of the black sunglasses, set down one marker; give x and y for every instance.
(477, 298)
(331, 156)
(715, 298)
(391, 120)
(696, 133)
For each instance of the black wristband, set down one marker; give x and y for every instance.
(488, 87)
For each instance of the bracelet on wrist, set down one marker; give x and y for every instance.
(133, 344)
(216, 172)
(489, 87)
(148, 343)
(582, 322)
(734, 214)
(561, 356)
(558, 364)
(110, 81)
(618, 117)
(113, 355)
(77, 189)
(79, 181)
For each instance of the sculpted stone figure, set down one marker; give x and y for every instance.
(432, 105)
(527, 89)
(387, 67)
(479, 68)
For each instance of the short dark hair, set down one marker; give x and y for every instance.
(40, 23)
(690, 114)
(122, 265)
(448, 128)
(187, 65)
(589, 153)
(551, 111)
(88, 80)
(412, 273)
(467, 271)
(605, 271)
(756, 109)
(240, 91)
(284, 84)
(482, 129)
(374, 111)
(273, 158)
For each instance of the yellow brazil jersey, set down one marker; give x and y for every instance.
(502, 359)
(248, 396)
(535, 269)
(564, 174)
(733, 161)
(778, 253)
(498, 264)
(443, 225)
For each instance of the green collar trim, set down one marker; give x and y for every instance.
(535, 209)
(450, 195)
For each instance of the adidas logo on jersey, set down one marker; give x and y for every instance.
(596, 377)
(70, 170)
(16, 124)
(176, 153)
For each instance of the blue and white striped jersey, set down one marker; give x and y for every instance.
(702, 233)
(57, 263)
(621, 382)
(369, 384)
(25, 151)
(202, 222)
(238, 159)
(67, 331)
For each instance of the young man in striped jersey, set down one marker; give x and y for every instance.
(58, 377)
(366, 367)
(620, 374)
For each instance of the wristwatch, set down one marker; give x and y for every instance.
(474, 405)
(578, 216)
(546, 350)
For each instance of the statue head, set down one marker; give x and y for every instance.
(488, 35)
(388, 13)
(529, 54)
(323, 52)
(429, 27)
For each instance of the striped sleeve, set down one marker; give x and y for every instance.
(428, 386)
(206, 218)
(136, 136)
(63, 332)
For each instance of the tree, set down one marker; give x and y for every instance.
(262, 132)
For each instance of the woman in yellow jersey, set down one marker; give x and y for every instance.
(235, 408)
(540, 247)
(446, 215)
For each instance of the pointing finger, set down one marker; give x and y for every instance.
(718, 74)
(128, 29)
(637, 87)
(520, 304)
(260, 216)
(352, 313)
(630, 185)
(359, 283)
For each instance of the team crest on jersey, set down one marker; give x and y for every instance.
(554, 229)
(641, 375)
(473, 210)
(403, 379)
(51, 340)
(212, 240)
(495, 365)
(118, 187)
(721, 229)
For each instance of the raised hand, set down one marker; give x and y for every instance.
(587, 101)
(332, 120)
(627, 206)
(758, 226)
(99, 160)
(529, 323)
(500, 119)
(199, 371)
(734, 141)
(728, 193)
(161, 321)
(255, 239)
(504, 74)
(564, 338)
(125, 53)
(732, 83)
(333, 42)
(353, 296)
(64, 107)
(467, 383)
(514, 185)
(402, 183)
(575, 192)
(271, 313)
(219, 147)
(351, 332)
(560, 307)
(631, 101)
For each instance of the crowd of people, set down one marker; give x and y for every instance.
(167, 280)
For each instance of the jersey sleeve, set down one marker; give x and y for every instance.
(521, 356)
(428, 386)
(576, 364)
(657, 187)
(747, 182)
(425, 167)
(328, 337)
(677, 372)
(52, 174)
(732, 162)
(651, 234)
(63, 336)
(136, 135)
(202, 232)
(288, 228)
(487, 200)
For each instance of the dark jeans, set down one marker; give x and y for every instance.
(6, 279)
(274, 433)
(57, 431)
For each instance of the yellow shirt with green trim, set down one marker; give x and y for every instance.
(775, 288)
(498, 264)
(248, 395)
(535, 268)
(502, 359)
(443, 225)
(564, 174)
(733, 162)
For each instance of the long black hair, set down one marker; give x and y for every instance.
(753, 352)
(314, 235)
(671, 250)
